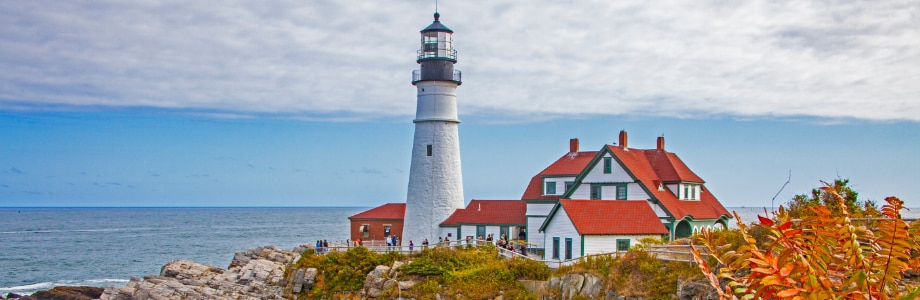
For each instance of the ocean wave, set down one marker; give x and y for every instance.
(35, 287)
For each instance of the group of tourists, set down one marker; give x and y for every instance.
(322, 246)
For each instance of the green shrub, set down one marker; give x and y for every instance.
(342, 271)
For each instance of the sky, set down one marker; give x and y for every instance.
(309, 103)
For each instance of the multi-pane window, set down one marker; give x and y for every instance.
(550, 188)
(596, 192)
(622, 244)
(608, 165)
(569, 185)
(621, 192)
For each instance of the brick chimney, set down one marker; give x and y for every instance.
(661, 143)
(573, 145)
(623, 139)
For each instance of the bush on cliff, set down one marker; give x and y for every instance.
(637, 273)
(474, 272)
(342, 272)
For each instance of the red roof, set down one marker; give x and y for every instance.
(613, 217)
(490, 212)
(386, 211)
(669, 167)
(571, 163)
(638, 162)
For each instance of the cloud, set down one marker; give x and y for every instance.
(15, 170)
(350, 61)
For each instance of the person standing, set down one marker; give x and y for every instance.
(425, 244)
(411, 245)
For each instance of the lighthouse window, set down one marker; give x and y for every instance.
(429, 149)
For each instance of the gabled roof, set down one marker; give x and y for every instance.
(570, 164)
(490, 212)
(609, 217)
(637, 161)
(386, 211)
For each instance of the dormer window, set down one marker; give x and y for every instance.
(549, 188)
(689, 191)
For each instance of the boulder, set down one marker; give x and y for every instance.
(253, 274)
(571, 285)
(592, 286)
(698, 289)
(66, 293)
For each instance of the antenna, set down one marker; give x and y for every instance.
(435, 5)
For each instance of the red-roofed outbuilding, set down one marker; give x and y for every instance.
(377, 223)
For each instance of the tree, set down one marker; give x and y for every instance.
(840, 192)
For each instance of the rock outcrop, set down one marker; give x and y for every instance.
(381, 279)
(253, 274)
(65, 293)
(589, 286)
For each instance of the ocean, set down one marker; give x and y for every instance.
(45, 247)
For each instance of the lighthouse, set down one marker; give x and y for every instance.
(435, 181)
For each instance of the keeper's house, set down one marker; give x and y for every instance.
(602, 201)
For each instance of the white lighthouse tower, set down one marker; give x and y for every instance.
(435, 182)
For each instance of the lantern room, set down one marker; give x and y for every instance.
(436, 42)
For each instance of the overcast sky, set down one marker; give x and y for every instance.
(309, 102)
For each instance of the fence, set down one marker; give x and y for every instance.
(678, 253)
(379, 247)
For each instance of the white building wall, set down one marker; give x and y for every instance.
(583, 192)
(442, 233)
(539, 209)
(673, 189)
(560, 226)
(659, 211)
(466, 230)
(595, 244)
(560, 184)
(435, 182)
(617, 173)
(533, 231)
(635, 192)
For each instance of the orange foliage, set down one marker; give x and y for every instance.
(822, 256)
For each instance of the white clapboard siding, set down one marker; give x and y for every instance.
(560, 226)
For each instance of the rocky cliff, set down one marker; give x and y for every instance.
(254, 274)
